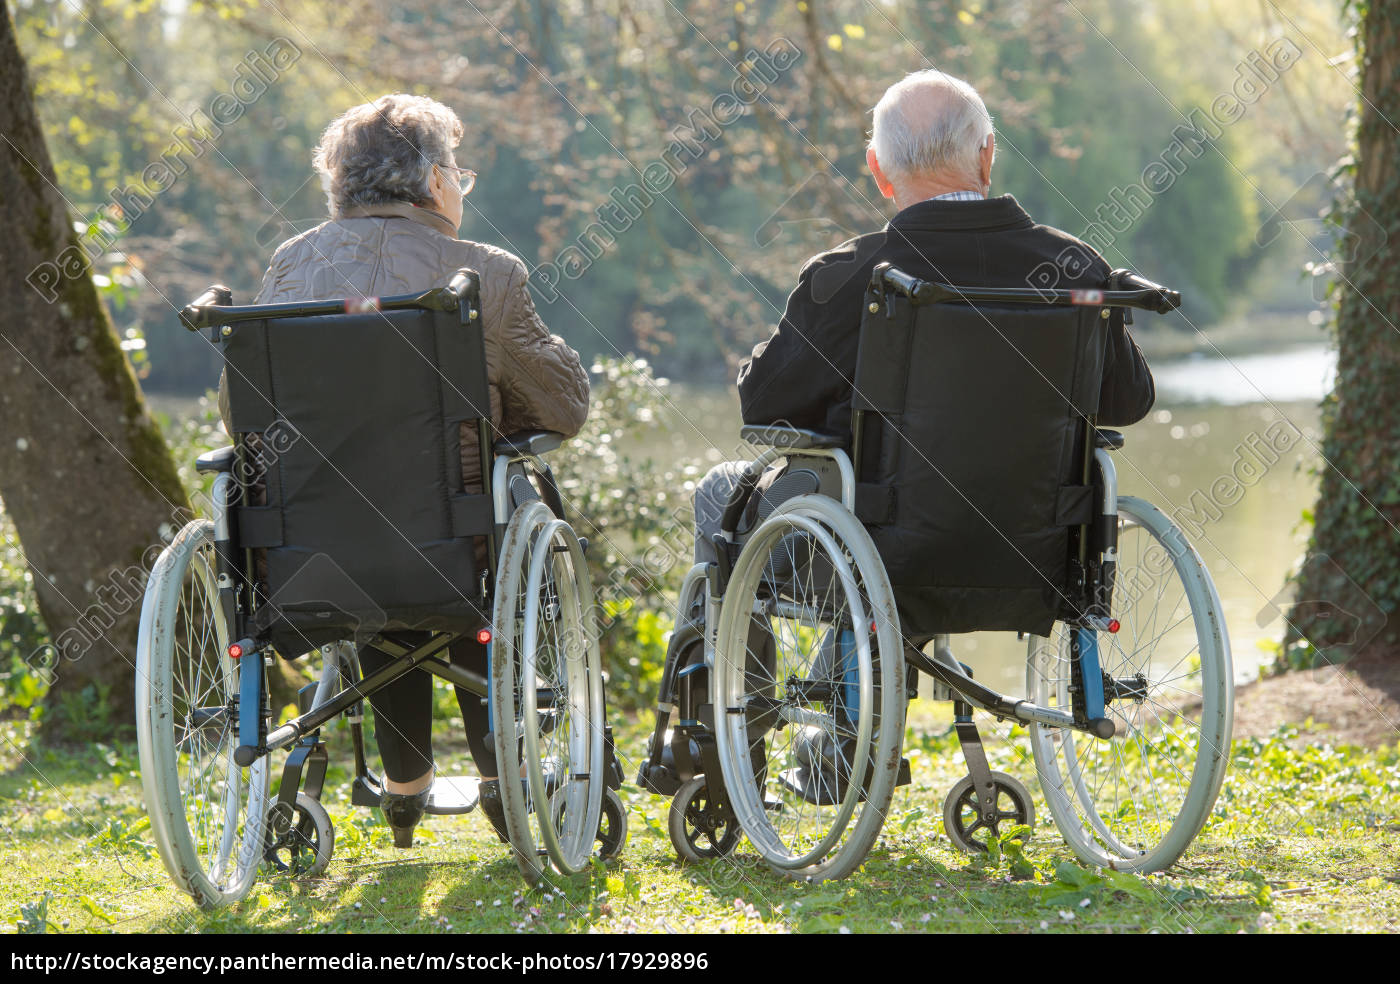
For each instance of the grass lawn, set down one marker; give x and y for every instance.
(1301, 840)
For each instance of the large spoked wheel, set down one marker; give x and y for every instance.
(547, 695)
(207, 813)
(1137, 800)
(809, 690)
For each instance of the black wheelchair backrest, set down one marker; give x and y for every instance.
(358, 422)
(969, 422)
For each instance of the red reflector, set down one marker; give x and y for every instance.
(235, 651)
(1113, 625)
(483, 636)
(872, 626)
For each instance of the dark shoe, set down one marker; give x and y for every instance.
(403, 811)
(491, 805)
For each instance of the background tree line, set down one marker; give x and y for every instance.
(564, 103)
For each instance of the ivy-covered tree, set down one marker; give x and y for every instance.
(1349, 585)
(84, 472)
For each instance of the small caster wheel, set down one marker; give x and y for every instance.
(612, 826)
(969, 829)
(697, 830)
(299, 845)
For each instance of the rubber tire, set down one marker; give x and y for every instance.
(805, 515)
(678, 826)
(1023, 811)
(228, 873)
(533, 818)
(1087, 828)
(323, 830)
(612, 827)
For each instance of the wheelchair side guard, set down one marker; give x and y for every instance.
(793, 438)
(529, 442)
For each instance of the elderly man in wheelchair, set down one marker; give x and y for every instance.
(372, 511)
(937, 467)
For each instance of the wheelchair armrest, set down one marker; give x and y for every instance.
(528, 442)
(1110, 439)
(796, 438)
(218, 460)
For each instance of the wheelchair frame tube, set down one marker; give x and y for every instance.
(409, 660)
(985, 698)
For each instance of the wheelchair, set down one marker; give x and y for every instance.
(783, 696)
(330, 531)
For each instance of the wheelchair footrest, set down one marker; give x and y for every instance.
(453, 795)
(366, 791)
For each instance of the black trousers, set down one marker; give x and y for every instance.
(403, 711)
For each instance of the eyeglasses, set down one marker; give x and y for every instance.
(466, 178)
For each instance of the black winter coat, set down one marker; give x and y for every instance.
(802, 374)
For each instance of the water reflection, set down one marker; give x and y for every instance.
(1303, 373)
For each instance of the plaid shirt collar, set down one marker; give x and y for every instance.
(958, 196)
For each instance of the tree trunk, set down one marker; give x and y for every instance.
(1349, 586)
(84, 470)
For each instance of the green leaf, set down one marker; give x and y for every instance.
(91, 906)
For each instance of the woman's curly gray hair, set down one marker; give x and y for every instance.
(384, 151)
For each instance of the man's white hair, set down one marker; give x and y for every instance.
(929, 122)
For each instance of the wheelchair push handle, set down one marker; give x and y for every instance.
(1155, 296)
(1123, 289)
(194, 316)
(214, 306)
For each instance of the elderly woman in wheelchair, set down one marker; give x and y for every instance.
(803, 626)
(391, 393)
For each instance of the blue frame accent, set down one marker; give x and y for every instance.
(1090, 672)
(250, 681)
(490, 675)
(848, 666)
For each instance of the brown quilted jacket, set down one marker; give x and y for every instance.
(536, 379)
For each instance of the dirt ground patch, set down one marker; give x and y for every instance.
(1357, 703)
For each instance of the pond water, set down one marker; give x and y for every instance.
(1251, 418)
